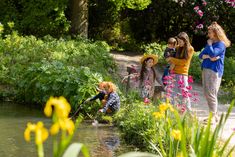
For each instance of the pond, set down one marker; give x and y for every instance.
(102, 141)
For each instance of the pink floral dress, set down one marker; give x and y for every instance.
(148, 84)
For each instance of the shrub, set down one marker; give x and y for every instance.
(164, 131)
(38, 68)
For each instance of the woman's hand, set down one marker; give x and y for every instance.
(205, 56)
(209, 42)
(214, 59)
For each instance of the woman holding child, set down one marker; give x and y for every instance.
(181, 62)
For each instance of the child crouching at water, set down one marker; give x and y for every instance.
(108, 96)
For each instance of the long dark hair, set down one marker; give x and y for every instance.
(143, 70)
(183, 36)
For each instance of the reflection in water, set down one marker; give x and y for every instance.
(102, 141)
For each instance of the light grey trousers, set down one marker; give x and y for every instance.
(211, 83)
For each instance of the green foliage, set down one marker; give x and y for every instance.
(156, 134)
(230, 51)
(132, 4)
(44, 67)
(137, 4)
(74, 149)
(44, 79)
(138, 154)
(155, 48)
(195, 67)
(39, 17)
(228, 80)
(136, 123)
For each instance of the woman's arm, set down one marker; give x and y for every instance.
(182, 62)
(217, 50)
(204, 52)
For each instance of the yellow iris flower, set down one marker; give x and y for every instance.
(176, 134)
(158, 115)
(63, 124)
(41, 133)
(164, 106)
(180, 154)
(61, 106)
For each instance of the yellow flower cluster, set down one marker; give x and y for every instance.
(176, 134)
(41, 133)
(158, 114)
(61, 109)
(63, 124)
(162, 108)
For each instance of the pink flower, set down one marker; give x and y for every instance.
(196, 8)
(233, 129)
(181, 82)
(185, 93)
(146, 100)
(200, 13)
(195, 94)
(168, 95)
(170, 77)
(204, 3)
(189, 87)
(189, 94)
(171, 86)
(169, 91)
(166, 78)
(195, 100)
(183, 109)
(181, 86)
(200, 26)
(190, 79)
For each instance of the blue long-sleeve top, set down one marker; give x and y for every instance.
(214, 50)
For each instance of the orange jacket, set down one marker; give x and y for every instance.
(182, 65)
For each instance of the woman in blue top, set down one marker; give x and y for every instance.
(213, 65)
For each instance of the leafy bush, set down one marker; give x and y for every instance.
(165, 132)
(37, 18)
(41, 80)
(38, 68)
(136, 123)
(228, 79)
(155, 48)
(195, 67)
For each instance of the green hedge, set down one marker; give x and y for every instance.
(38, 68)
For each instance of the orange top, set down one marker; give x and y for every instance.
(182, 65)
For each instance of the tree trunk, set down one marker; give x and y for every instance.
(79, 18)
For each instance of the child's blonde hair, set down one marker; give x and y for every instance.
(101, 85)
(172, 41)
(111, 87)
(219, 32)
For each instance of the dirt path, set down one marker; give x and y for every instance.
(201, 109)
